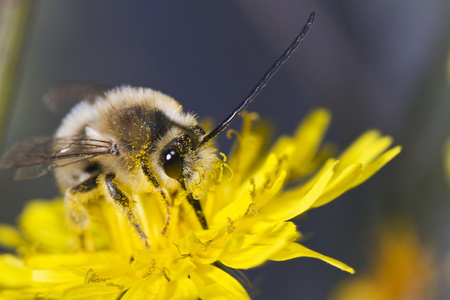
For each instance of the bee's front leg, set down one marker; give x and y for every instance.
(77, 216)
(153, 181)
(198, 210)
(112, 192)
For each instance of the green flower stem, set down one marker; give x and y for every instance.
(14, 15)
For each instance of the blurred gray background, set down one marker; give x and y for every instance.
(374, 64)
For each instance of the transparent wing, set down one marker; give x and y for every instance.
(63, 96)
(37, 156)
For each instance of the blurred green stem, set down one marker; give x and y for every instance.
(14, 15)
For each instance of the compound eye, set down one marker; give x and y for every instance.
(172, 163)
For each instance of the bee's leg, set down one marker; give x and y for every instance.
(198, 210)
(114, 194)
(195, 205)
(168, 211)
(77, 216)
(152, 179)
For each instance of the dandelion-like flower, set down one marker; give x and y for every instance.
(247, 207)
(400, 267)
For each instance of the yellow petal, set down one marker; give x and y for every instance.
(256, 254)
(308, 137)
(248, 148)
(343, 182)
(302, 149)
(28, 293)
(259, 232)
(162, 288)
(155, 286)
(365, 148)
(215, 284)
(92, 259)
(164, 260)
(296, 202)
(10, 237)
(43, 222)
(295, 250)
(140, 291)
(93, 291)
(230, 244)
(355, 175)
(263, 184)
(13, 272)
(59, 275)
(269, 172)
(377, 164)
(184, 289)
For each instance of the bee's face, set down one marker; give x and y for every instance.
(178, 158)
(178, 154)
(183, 159)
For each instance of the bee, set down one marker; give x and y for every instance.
(125, 140)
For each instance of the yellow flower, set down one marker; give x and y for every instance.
(247, 207)
(400, 268)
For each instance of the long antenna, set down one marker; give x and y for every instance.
(262, 83)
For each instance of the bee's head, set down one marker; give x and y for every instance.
(182, 158)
